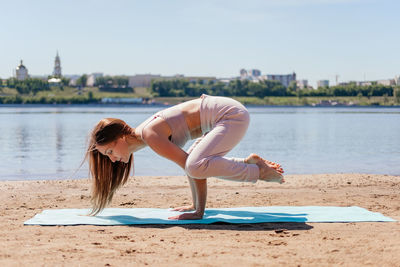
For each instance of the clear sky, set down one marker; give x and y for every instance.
(318, 39)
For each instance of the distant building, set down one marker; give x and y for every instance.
(243, 73)
(284, 79)
(387, 82)
(249, 74)
(255, 72)
(253, 78)
(57, 66)
(142, 80)
(344, 83)
(254, 75)
(302, 84)
(363, 83)
(397, 80)
(322, 83)
(91, 79)
(21, 72)
(224, 80)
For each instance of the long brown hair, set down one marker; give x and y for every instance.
(107, 176)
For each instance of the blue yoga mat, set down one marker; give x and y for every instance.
(117, 216)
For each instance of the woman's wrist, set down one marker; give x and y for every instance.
(199, 212)
(198, 215)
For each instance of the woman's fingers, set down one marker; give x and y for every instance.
(184, 208)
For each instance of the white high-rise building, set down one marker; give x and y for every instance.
(255, 72)
(57, 66)
(243, 73)
(21, 72)
(143, 80)
(397, 79)
(322, 83)
(302, 84)
(248, 74)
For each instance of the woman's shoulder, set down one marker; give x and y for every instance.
(155, 125)
(140, 128)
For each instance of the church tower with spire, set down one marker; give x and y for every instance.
(21, 72)
(57, 67)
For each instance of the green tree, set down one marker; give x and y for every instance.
(219, 88)
(120, 81)
(291, 89)
(10, 83)
(90, 95)
(101, 81)
(274, 88)
(28, 86)
(65, 81)
(81, 81)
(236, 88)
(396, 94)
(256, 89)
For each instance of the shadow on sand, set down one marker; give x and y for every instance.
(222, 220)
(233, 227)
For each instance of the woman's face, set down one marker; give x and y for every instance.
(116, 151)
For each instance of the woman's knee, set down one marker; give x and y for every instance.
(196, 168)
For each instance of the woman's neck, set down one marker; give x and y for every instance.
(135, 143)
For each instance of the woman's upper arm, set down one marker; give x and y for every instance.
(156, 138)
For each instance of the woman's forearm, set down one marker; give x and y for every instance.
(201, 195)
(193, 190)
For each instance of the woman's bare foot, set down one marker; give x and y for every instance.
(269, 171)
(254, 158)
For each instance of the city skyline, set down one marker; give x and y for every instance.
(316, 39)
(249, 74)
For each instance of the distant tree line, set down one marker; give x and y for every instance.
(113, 84)
(27, 86)
(32, 85)
(182, 87)
(351, 90)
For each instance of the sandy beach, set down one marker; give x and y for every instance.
(265, 244)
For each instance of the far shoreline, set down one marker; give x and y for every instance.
(167, 105)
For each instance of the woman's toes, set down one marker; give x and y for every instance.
(256, 159)
(269, 174)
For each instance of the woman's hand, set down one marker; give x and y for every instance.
(185, 208)
(187, 216)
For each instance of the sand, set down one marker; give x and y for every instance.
(265, 244)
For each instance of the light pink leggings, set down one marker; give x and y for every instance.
(224, 122)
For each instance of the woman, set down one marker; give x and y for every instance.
(218, 123)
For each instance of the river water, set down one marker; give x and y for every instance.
(48, 142)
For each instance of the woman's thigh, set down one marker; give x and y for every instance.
(224, 136)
